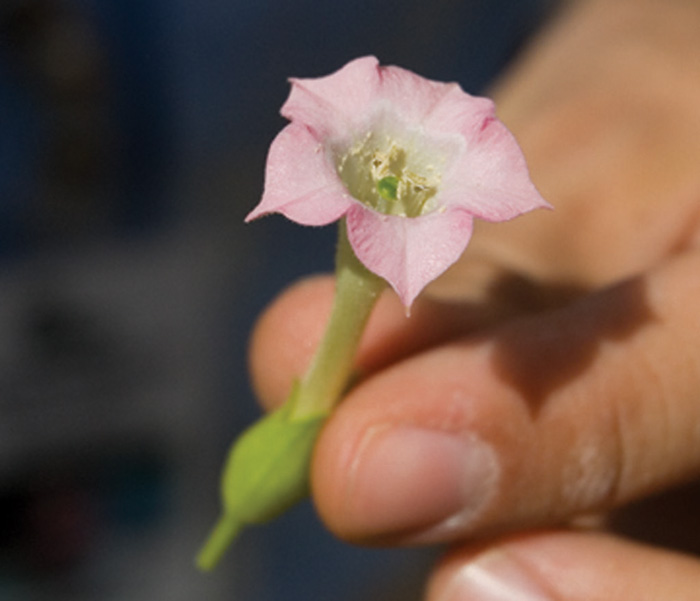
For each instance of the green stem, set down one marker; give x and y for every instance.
(219, 540)
(357, 290)
(267, 470)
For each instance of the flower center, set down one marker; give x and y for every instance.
(390, 178)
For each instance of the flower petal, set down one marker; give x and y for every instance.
(490, 179)
(301, 181)
(457, 112)
(412, 97)
(408, 252)
(330, 105)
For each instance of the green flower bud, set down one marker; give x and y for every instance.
(267, 471)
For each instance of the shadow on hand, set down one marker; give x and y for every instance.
(668, 520)
(537, 360)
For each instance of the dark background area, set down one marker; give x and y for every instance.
(133, 136)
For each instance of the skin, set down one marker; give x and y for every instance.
(562, 351)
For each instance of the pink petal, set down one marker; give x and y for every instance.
(411, 97)
(406, 252)
(301, 181)
(491, 179)
(459, 113)
(330, 105)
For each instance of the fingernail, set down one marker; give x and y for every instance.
(409, 479)
(493, 577)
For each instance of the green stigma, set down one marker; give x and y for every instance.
(388, 187)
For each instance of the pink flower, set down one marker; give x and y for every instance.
(408, 161)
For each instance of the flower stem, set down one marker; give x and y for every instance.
(357, 290)
(222, 535)
(267, 470)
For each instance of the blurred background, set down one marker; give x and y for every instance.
(133, 136)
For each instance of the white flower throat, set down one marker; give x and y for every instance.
(388, 176)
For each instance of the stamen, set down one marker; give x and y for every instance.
(378, 172)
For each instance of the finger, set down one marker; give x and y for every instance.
(612, 157)
(565, 566)
(572, 411)
(285, 337)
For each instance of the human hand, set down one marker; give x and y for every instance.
(552, 373)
